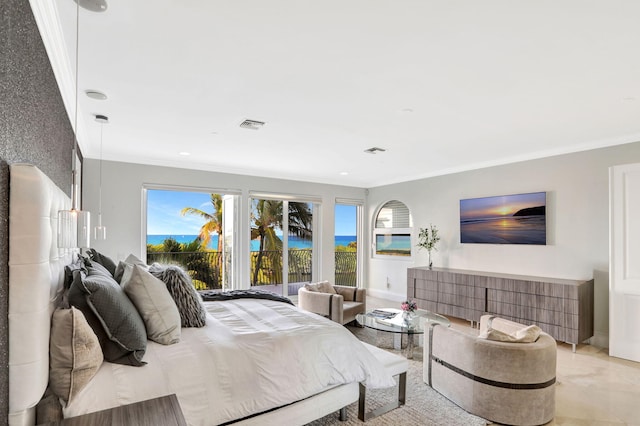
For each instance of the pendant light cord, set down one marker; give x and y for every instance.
(100, 180)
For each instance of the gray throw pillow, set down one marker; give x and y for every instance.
(187, 298)
(77, 265)
(49, 409)
(97, 269)
(103, 260)
(112, 316)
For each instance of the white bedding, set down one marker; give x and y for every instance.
(253, 355)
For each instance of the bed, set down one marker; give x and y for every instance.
(254, 362)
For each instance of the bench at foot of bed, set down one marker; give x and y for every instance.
(397, 366)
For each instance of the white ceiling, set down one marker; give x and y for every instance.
(443, 86)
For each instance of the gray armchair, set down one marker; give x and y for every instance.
(505, 382)
(338, 303)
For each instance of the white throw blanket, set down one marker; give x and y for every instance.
(252, 356)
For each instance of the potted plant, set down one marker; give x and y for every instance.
(408, 308)
(427, 239)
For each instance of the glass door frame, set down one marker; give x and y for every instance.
(360, 257)
(316, 204)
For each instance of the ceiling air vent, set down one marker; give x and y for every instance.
(252, 124)
(374, 150)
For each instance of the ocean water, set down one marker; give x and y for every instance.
(393, 244)
(294, 242)
(504, 230)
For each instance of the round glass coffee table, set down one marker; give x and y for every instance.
(393, 320)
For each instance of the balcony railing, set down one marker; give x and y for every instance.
(205, 268)
(346, 268)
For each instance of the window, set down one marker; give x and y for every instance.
(392, 232)
(348, 256)
(185, 227)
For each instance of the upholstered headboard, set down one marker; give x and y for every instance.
(36, 275)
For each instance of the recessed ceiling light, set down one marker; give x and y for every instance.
(93, 5)
(185, 153)
(407, 110)
(344, 173)
(94, 94)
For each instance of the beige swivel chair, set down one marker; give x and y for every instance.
(338, 303)
(505, 382)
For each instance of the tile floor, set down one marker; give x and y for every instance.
(592, 387)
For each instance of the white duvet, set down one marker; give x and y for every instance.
(253, 355)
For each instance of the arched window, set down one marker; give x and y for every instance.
(392, 231)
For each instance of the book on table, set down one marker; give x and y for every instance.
(382, 314)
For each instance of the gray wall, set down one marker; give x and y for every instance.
(34, 128)
(577, 189)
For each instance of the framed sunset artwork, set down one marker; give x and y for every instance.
(505, 219)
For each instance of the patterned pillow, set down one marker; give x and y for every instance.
(103, 260)
(74, 352)
(112, 316)
(188, 300)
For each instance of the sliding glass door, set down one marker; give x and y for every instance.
(348, 256)
(281, 247)
(299, 245)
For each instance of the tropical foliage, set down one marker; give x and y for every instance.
(266, 219)
(213, 221)
(199, 263)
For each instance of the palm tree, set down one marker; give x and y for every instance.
(267, 217)
(213, 221)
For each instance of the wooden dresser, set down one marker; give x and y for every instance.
(563, 308)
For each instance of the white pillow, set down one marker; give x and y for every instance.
(154, 303)
(527, 334)
(321, 287)
(130, 260)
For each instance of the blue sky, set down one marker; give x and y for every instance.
(163, 213)
(345, 220)
(506, 205)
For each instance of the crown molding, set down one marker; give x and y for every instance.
(48, 22)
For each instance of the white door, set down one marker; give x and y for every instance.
(624, 261)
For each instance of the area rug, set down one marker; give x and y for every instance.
(424, 406)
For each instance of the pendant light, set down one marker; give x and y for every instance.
(100, 231)
(74, 224)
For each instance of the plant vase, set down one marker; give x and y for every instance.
(407, 318)
(430, 261)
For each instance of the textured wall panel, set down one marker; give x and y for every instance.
(34, 128)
